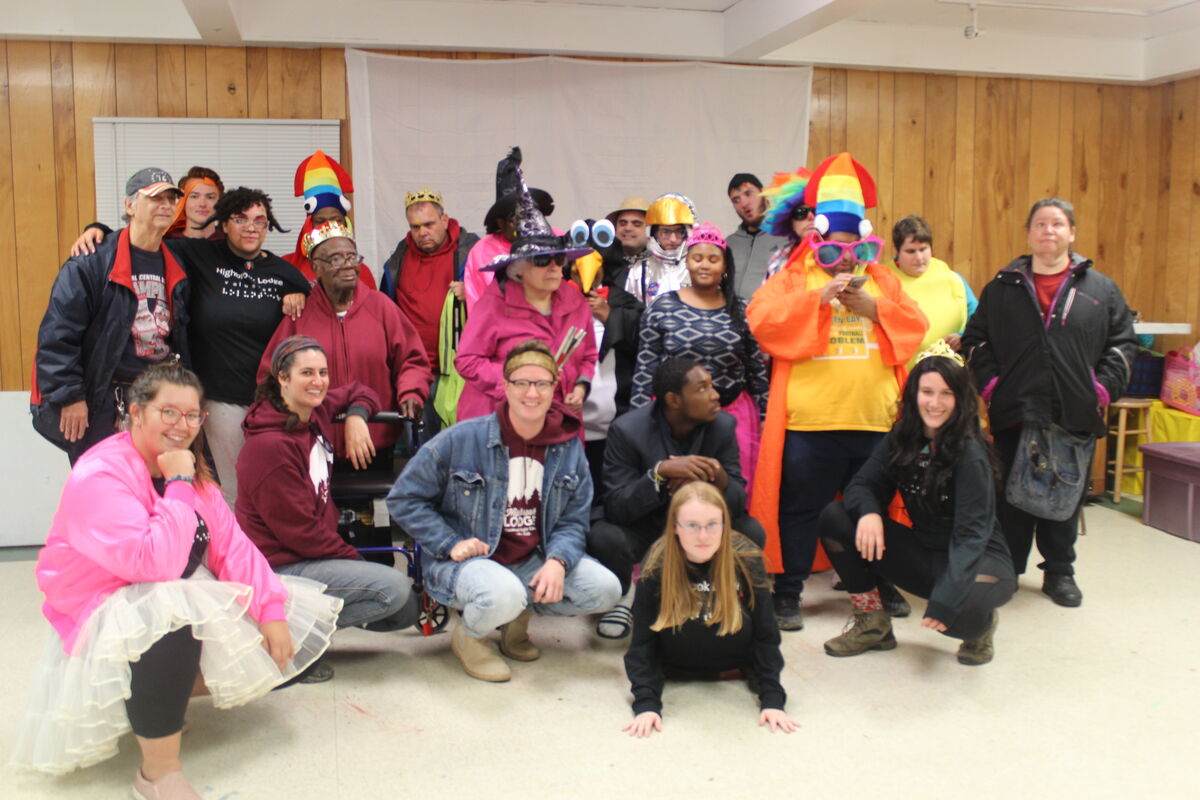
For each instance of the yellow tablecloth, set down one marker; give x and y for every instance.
(1166, 425)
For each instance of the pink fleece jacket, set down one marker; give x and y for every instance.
(113, 529)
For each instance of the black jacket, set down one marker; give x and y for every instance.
(391, 268)
(639, 440)
(621, 329)
(84, 333)
(1044, 368)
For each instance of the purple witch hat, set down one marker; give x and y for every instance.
(535, 237)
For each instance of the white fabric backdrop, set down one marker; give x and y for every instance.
(591, 132)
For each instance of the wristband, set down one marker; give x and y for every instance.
(560, 560)
(185, 478)
(655, 478)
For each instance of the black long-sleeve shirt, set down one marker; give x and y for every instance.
(695, 649)
(962, 521)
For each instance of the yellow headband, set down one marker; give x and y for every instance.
(942, 350)
(538, 358)
(426, 195)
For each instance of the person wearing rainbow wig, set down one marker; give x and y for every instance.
(839, 330)
(787, 216)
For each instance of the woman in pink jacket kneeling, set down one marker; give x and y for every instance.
(155, 594)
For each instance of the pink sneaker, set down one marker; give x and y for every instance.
(172, 786)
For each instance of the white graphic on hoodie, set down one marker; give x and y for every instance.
(524, 496)
(320, 460)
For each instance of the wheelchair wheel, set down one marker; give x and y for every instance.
(434, 615)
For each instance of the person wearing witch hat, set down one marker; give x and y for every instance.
(324, 184)
(529, 299)
(840, 330)
(500, 225)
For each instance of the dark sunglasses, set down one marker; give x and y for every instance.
(545, 261)
(800, 213)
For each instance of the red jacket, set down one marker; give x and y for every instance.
(283, 501)
(373, 344)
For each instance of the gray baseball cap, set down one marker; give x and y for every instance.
(150, 181)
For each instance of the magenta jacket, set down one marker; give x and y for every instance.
(113, 529)
(501, 320)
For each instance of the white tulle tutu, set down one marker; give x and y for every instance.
(76, 711)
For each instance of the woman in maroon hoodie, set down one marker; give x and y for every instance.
(284, 504)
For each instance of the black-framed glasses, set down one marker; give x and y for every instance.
(171, 415)
(523, 385)
(342, 260)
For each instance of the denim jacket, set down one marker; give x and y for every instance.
(456, 488)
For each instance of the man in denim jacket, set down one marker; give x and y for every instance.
(500, 506)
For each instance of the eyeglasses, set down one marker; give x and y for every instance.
(830, 254)
(342, 260)
(696, 527)
(801, 213)
(258, 224)
(674, 233)
(523, 385)
(170, 415)
(544, 261)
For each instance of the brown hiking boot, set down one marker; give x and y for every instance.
(514, 639)
(865, 630)
(979, 651)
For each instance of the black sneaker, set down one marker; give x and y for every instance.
(787, 611)
(317, 672)
(893, 602)
(1062, 589)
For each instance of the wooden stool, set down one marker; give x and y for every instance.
(1123, 406)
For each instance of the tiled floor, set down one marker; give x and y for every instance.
(1096, 702)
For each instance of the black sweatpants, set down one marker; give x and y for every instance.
(914, 568)
(1055, 540)
(160, 684)
(619, 547)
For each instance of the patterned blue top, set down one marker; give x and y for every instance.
(671, 327)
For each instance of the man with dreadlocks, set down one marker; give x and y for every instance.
(239, 294)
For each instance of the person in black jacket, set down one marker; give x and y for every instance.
(1051, 343)
(953, 553)
(652, 451)
(112, 313)
(704, 611)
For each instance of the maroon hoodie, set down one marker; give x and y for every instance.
(283, 501)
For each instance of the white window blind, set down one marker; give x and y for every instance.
(261, 154)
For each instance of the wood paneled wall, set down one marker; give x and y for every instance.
(969, 153)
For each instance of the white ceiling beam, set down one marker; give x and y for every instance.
(895, 47)
(754, 28)
(1175, 55)
(513, 26)
(216, 20)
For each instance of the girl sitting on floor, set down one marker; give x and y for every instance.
(703, 611)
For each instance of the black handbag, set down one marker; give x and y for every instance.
(1050, 472)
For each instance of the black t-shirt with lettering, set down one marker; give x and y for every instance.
(234, 310)
(199, 541)
(149, 339)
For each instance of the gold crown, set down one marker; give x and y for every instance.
(326, 230)
(426, 195)
(940, 348)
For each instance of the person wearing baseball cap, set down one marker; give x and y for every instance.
(112, 313)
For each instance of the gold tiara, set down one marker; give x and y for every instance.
(941, 349)
(426, 195)
(326, 230)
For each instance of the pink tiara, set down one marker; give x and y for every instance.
(706, 233)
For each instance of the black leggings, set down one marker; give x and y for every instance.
(160, 684)
(914, 568)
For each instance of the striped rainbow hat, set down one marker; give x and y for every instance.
(841, 190)
(323, 183)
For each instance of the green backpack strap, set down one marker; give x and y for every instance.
(450, 383)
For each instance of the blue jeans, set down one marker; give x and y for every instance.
(375, 597)
(490, 594)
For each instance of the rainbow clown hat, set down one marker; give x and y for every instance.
(323, 183)
(841, 190)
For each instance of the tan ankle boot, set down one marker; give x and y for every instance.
(866, 630)
(514, 639)
(478, 657)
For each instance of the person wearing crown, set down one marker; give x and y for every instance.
(365, 336)
(528, 300)
(839, 329)
(952, 552)
(324, 184)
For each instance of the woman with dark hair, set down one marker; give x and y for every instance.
(703, 611)
(156, 594)
(1051, 343)
(953, 553)
(707, 321)
(202, 188)
(283, 478)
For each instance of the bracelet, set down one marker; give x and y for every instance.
(185, 478)
(560, 560)
(655, 478)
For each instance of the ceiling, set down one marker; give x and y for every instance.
(1135, 41)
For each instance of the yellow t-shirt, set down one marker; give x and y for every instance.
(848, 387)
(941, 296)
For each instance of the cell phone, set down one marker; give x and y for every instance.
(857, 282)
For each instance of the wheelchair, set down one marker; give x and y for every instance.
(357, 495)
